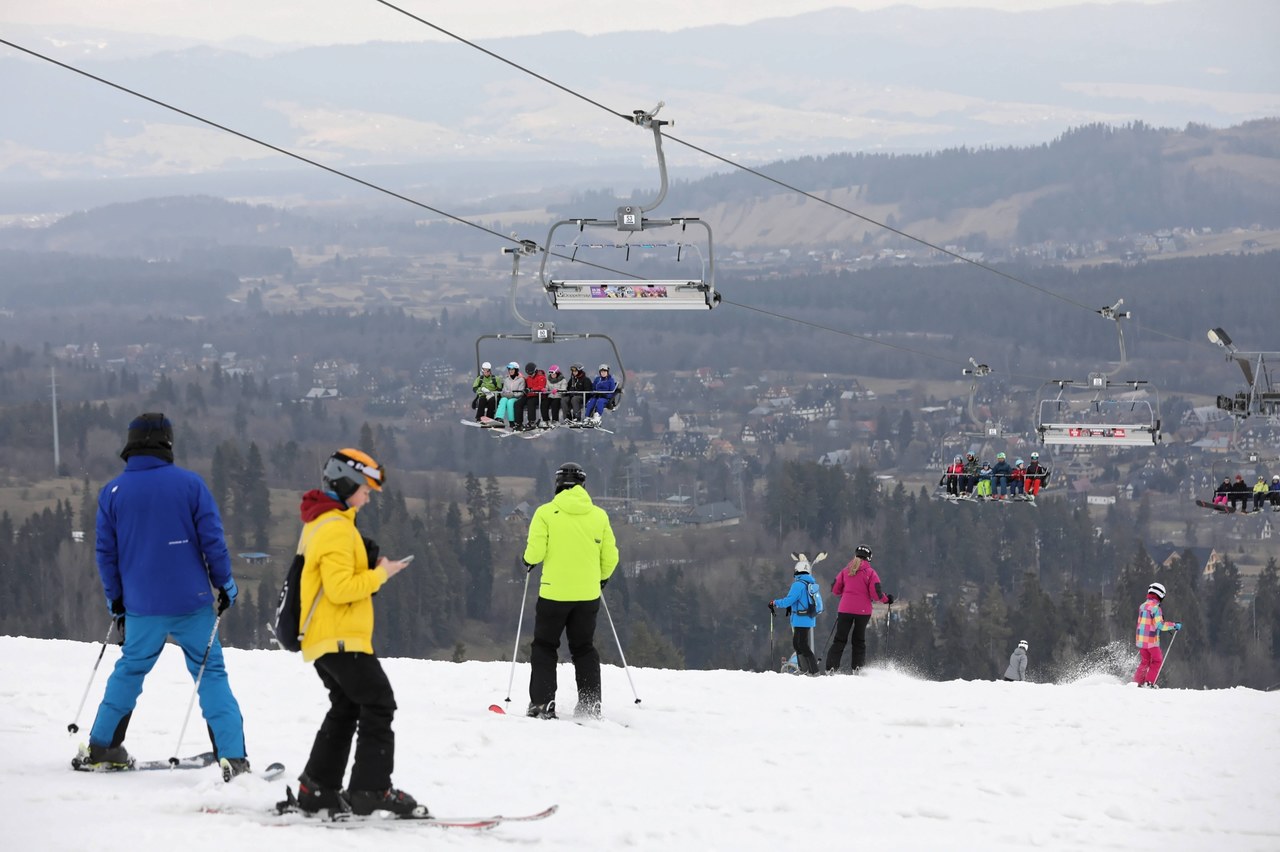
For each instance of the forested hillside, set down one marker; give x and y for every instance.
(1093, 182)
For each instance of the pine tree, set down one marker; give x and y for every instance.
(492, 497)
(257, 498)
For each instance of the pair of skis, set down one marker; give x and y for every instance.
(195, 761)
(288, 812)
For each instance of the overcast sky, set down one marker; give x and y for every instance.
(339, 21)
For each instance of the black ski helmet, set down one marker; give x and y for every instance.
(862, 551)
(568, 475)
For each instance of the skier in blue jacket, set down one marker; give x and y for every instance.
(164, 564)
(795, 602)
(603, 389)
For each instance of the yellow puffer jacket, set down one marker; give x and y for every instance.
(572, 539)
(336, 560)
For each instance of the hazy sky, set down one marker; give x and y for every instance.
(333, 21)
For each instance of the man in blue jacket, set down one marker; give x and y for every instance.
(161, 554)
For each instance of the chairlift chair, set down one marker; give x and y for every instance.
(1103, 420)
(690, 293)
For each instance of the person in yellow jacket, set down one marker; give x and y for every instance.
(1259, 494)
(336, 594)
(573, 540)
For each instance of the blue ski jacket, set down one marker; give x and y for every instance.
(796, 599)
(159, 539)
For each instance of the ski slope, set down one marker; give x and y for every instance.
(708, 761)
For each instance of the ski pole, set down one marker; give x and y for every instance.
(771, 651)
(830, 633)
(519, 626)
(74, 728)
(625, 668)
(213, 634)
(1165, 661)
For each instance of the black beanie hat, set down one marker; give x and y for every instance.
(150, 434)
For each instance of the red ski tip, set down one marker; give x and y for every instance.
(497, 709)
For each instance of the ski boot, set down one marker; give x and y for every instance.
(233, 766)
(542, 711)
(96, 758)
(391, 800)
(313, 798)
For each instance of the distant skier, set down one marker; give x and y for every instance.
(1151, 624)
(858, 585)
(1035, 476)
(603, 390)
(512, 393)
(576, 390)
(795, 602)
(485, 386)
(1017, 669)
(954, 475)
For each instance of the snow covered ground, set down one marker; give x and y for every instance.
(708, 761)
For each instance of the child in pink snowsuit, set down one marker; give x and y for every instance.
(1151, 624)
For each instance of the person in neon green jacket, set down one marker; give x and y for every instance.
(573, 540)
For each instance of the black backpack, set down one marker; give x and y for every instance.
(287, 630)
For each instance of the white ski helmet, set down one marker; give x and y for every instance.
(804, 565)
(1023, 645)
(1156, 589)
(486, 366)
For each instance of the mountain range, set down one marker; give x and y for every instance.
(901, 79)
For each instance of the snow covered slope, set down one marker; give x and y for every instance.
(708, 761)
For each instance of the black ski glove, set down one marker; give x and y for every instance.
(604, 582)
(889, 599)
(773, 608)
(117, 616)
(527, 567)
(227, 596)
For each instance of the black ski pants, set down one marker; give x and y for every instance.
(577, 620)
(360, 697)
(857, 643)
(805, 659)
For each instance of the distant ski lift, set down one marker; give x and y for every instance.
(1262, 395)
(1103, 420)
(687, 293)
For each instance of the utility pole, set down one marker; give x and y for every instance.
(53, 386)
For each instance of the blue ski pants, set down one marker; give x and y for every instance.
(144, 640)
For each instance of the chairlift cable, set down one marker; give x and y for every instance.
(330, 169)
(776, 181)
(627, 117)
(460, 220)
(369, 184)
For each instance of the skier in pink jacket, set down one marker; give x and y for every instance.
(1151, 624)
(857, 585)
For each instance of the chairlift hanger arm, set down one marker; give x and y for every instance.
(1114, 314)
(524, 249)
